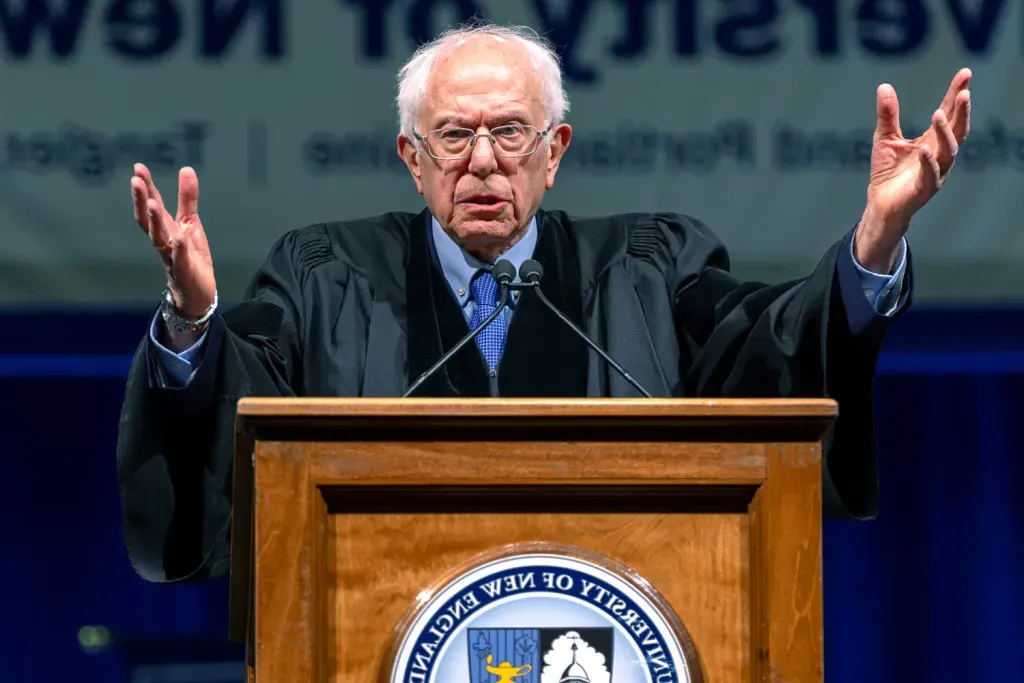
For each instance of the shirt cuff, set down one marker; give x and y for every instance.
(883, 291)
(177, 369)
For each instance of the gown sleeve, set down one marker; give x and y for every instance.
(803, 338)
(175, 445)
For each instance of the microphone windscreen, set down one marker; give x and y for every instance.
(504, 272)
(531, 271)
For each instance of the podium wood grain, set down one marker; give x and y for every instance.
(357, 506)
(693, 561)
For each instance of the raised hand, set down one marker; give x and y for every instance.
(905, 174)
(179, 240)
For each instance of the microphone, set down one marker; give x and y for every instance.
(531, 273)
(504, 272)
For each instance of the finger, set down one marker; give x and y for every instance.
(961, 122)
(888, 110)
(959, 83)
(161, 228)
(139, 200)
(930, 174)
(947, 146)
(142, 172)
(188, 194)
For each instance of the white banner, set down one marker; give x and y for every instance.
(755, 116)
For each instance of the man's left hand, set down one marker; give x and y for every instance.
(905, 174)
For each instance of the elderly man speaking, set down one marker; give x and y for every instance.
(364, 307)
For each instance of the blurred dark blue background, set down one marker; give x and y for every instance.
(931, 590)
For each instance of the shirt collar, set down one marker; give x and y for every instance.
(459, 266)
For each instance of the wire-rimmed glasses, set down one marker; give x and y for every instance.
(509, 140)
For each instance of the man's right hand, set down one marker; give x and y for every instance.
(181, 244)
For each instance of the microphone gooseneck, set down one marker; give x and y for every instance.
(500, 271)
(531, 273)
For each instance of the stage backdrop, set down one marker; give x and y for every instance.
(755, 116)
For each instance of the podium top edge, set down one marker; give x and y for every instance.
(256, 407)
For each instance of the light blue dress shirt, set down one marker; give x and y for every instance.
(458, 266)
(883, 291)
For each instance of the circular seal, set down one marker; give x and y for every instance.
(542, 613)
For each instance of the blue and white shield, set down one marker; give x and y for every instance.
(540, 655)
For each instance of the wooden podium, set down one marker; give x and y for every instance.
(349, 513)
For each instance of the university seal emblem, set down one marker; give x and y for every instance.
(541, 613)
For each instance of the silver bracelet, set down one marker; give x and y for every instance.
(176, 323)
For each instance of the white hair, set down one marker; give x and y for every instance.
(413, 76)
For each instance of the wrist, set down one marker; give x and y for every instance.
(187, 307)
(876, 242)
(183, 325)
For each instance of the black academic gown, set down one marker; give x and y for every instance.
(361, 308)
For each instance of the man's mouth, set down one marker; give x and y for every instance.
(483, 199)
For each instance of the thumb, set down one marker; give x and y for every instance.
(188, 193)
(888, 110)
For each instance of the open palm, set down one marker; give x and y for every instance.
(905, 174)
(180, 240)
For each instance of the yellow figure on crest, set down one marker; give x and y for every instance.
(505, 671)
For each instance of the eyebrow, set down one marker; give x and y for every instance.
(466, 123)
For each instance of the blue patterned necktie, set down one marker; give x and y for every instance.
(491, 339)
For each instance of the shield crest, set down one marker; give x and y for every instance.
(540, 655)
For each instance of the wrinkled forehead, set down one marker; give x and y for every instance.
(481, 80)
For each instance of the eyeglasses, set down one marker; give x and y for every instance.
(510, 140)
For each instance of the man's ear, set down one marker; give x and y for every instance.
(409, 154)
(560, 138)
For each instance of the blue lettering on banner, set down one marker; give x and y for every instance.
(751, 30)
(887, 28)
(992, 146)
(702, 152)
(745, 30)
(640, 150)
(374, 26)
(137, 29)
(421, 16)
(795, 149)
(628, 150)
(91, 156)
(634, 150)
(325, 153)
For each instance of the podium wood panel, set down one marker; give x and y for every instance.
(357, 506)
(415, 550)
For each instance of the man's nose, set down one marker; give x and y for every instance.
(482, 160)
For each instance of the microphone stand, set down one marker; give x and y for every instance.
(506, 287)
(535, 285)
(502, 302)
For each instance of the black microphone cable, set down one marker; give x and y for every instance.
(530, 273)
(504, 272)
